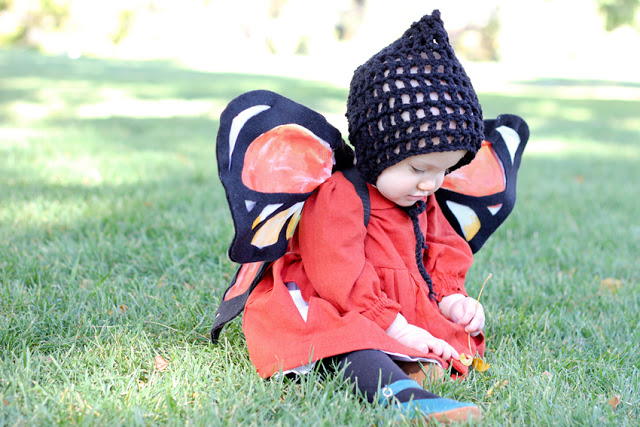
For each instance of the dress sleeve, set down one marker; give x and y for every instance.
(449, 257)
(331, 237)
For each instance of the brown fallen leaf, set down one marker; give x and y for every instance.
(480, 365)
(160, 363)
(497, 385)
(614, 401)
(5, 402)
(123, 308)
(465, 359)
(610, 284)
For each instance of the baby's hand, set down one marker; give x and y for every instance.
(465, 311)
(418, 338)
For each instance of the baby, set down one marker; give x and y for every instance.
(373, 300)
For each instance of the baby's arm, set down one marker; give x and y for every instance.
(465, 311)
(415, 337)
(448, 259)
(331, 237)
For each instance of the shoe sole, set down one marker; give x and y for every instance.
(467, 413)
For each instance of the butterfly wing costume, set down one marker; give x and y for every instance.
(273, 154)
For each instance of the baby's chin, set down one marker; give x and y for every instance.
(408, 201)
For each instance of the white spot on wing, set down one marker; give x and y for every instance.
(511, 138)
(494, 209)
(238, 122)
(268, 210)
(249, 204)
(466, 217)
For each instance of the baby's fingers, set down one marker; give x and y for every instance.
(436, 347)
(470, 311)
(457, 312)
(454, 353)
(477, 323)
(449, 352)
(443, 349)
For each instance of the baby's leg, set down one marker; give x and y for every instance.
(372, 370)
(422, 373)
(377, 376)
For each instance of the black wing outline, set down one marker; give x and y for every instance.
(510, 155)
(247, 117)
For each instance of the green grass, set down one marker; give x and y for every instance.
(114, 228)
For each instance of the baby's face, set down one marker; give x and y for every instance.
(416, 177)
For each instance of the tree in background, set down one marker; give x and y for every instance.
(619, 12)
(23, 21)
(159, 27)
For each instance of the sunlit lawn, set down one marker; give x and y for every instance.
(114, 228)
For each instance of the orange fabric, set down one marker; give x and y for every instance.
(482, 177)
(243, 279)
(355, 280)
(287, 159)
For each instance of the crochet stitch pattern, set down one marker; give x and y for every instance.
(412, 97)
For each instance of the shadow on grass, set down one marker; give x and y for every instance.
(145, 79)
(155, 246)
(605, 121)
(608, 122)
(159, 134)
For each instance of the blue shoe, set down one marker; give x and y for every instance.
(439, 408)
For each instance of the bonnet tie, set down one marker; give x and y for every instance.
(414, 211)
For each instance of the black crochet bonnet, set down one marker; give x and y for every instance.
(412, 97)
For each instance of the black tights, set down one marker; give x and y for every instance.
(371, 370)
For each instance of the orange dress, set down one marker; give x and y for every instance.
(341, 284)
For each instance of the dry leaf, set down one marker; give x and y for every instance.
(160, 363)
(614, 401)
(5, 402)
(497, 385)
(123, 308)
(610, 284)
(465, 359)
(480, 365)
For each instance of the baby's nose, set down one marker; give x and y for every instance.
(427, 184)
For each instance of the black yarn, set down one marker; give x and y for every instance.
(414, 211)
(412, 97)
